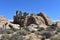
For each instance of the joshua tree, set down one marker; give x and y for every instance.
(19, 18)
(25, 14)
(20, 14)
(16, 17)
(17, 13)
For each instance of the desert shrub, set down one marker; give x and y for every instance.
(17, 36)
(32, 31)
(43, 38)
(27, 29)
(5, 37)
(9, 31)
(51, 28)
(40, 29)
(55, 38)
(46, 34)
(58, 30)
(24, 32)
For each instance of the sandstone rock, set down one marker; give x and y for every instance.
(34, 19)
(25, 21)
(13, 26)
(32, 27)
(2, 19)
(48, 21)
(9, 26)
(39, 19)
(3, 26)
(58, 24)
(44, 26)
(54, 24)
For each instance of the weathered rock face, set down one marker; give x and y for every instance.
(32, 27)
(39, 19)
(58, 24)
(2, 19)
(14, 26)
(48, 21)
(9, 25)
(26, 20)
(34, 19)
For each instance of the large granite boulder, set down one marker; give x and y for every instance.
(39, 19)
(26, 20)
(9, 25)
(32, 27)
(48, 21)
(34, 19)
(3, 19)
(13, 26)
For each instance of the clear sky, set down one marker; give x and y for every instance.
(50, 7)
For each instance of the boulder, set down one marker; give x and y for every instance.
(58, 24)
(3, 19)
(48, 21)
(39, 19)
(25, 21)
(32, 27)
(3, 26)
(42, 26)
(34, 19)
(14, 26)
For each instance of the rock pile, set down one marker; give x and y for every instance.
(38, 19)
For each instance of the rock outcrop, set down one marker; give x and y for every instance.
(39, 19)
(3, 19)
(9, 25)
(47, 20)
(14, 26)
(34, 19)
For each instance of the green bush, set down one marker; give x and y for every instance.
(46, 34)
(40, 29)
(55, 38)
(5, 37)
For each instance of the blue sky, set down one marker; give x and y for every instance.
(50, 7)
